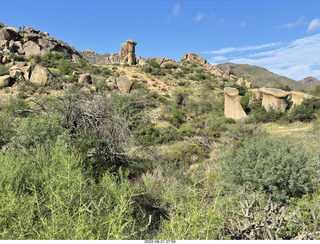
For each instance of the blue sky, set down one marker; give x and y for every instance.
(280, 35)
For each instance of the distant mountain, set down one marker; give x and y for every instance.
(310, 81)
(262, 77)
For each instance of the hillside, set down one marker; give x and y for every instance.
(310, 81)
(261, 77)
(115, 147)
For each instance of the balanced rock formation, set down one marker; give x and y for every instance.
(41, 76)
(127, 54)
(232, 106)
(296, 98)
(31, 42)
(192, 57)
(273, 98)
(124, 84)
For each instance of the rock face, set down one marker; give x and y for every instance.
(85, 78)
(32, 42)
(124, 84)
(127, 54)
(192, 57)
(41, 76)
(273, 98)
(232, 106)
(255, 95)
(213, 70)
(104, 59)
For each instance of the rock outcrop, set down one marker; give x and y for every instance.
(127, 54)
(192, 57)
(31, 42)
(232, 106)
(124, 84)
(98, 59)
(5, 81)
(244, 83)
(41, 76)
(20, 72)
(296, 98)
(85, 79)
(273, 98)
(212, 69)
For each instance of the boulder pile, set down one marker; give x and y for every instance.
(31, 42)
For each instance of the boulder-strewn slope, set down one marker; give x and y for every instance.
(261, 77)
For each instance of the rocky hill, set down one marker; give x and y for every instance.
(310, 81)
(27, 42)
(261, 77)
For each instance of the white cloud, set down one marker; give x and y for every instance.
(293, 24)
(176, 9)
(199, 17)
(296, 60)
(314, 25)
(241, 49)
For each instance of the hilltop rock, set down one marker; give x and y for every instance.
(31, 42)
(273, 98)
(41, 76)
(127, 53)
(232, 106)
(310, 81)
(212, 69)
(192, 57)
(124, 84)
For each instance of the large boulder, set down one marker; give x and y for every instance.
(127, 52)
(124, 84)
(9, 33)
(213, 70)
(20, 71)
(232, 106)
(5, 81)
(85, 79)
(31, 48)
(273, 98)
(41, 76)
(192, 57)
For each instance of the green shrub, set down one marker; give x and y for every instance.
(153, 63)
(260, 115)
(65, 67)
(306, 111)
(147, 134)
(274, 166)
(177, 116)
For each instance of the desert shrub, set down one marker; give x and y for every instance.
(146, 69)
(260, 115)
(177, 116)
(153, 63)
(65, 67)
(147, 134)
(39, 130)
(187, 129)
(4, 70)
(244, 101)
(306, 111)
(157, 72)
(215, 124)
(274, 166)
(242, 90)
(171, 66)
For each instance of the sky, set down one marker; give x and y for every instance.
(282, 36)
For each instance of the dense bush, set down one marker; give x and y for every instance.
(306, 111)
(274, 166)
